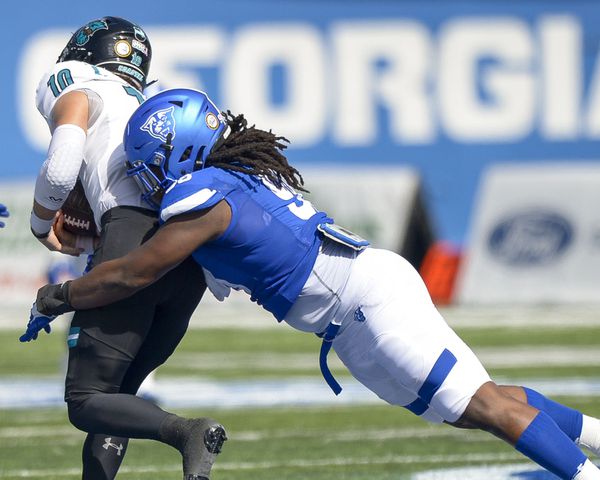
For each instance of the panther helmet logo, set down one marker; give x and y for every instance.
(160, 124)
(84, 33)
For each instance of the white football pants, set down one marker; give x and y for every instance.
(392, 339)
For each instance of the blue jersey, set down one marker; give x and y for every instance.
(271, 244)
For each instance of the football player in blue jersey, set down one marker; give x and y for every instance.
(3, 213)
(228, 197)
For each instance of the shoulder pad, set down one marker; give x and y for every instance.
(64, 77)
(192, 192)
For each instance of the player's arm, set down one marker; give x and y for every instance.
(61, 168)
(117, 279)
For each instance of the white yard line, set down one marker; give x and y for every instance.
(195, 393)
(298, 463)
(39, 432)
(426, 431)
(522, 316)
(512, 471)
(491, 357)
(239, 313)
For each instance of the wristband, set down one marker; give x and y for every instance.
(40, 236)
(40, 227)
(54, 299)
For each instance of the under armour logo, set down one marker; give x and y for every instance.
(109, 443)
(359, 316)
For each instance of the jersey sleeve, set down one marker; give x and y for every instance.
(195, 192)
(65, 77)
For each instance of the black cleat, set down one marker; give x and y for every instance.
(205, 441)
(214, 438)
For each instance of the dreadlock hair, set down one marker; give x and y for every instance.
(255, 152)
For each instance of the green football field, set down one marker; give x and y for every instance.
(363, 441)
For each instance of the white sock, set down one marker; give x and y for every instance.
(590, 434)
(588, 471)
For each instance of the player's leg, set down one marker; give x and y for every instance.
(102, 456)
(95, 375)
(582, 429)
(99, 357)
(531, 431)
(123, 229)
(404, 351)
(198, 440)
(109, 341)
(176, 299)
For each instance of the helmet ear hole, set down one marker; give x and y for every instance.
(186, 154)
(198, 163)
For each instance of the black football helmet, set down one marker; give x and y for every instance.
(115, 44)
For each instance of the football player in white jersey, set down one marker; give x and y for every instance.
(87, 98)
(231, 202)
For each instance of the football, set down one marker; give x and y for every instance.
(78, 215)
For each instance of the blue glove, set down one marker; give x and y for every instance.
(37, 322)
(3, 213)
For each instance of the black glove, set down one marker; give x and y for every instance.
(54, 299)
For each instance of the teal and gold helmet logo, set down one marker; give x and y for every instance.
(84, 33)
(136, 59)
(139, 33)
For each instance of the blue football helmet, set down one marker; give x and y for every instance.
(168, 136)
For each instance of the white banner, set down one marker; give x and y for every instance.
(535, 236)
(375, 202)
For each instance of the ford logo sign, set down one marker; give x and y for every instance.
(530, 238)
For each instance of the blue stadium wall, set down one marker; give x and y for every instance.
(448, 88)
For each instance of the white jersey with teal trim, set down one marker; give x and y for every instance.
(111, 101)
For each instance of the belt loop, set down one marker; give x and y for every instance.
(328, 336)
